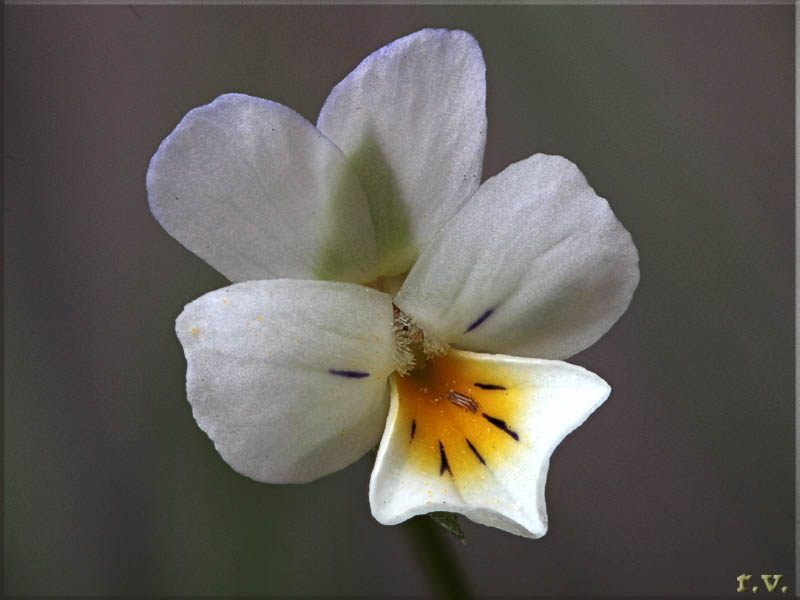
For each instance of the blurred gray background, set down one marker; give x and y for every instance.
(681, 116)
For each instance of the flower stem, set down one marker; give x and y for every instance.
(446, 576)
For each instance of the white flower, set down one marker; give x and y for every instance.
(292, 377)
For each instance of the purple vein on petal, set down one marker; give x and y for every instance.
(350, 374)
(480, 320)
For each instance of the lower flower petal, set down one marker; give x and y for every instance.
(288, 377)
(473, 433)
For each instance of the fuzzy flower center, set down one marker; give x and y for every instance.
(413, 347)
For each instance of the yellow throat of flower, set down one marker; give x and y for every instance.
(459, 413)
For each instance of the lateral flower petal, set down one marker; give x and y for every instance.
(287, 377)
(535, 264)
(412, 120)
(256, 191)
(483, 452)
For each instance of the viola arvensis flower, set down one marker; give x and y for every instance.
(376, 276)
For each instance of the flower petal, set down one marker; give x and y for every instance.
(257, 192)
(535, 264)
(412, 119)
(473, 434)
(288, 377)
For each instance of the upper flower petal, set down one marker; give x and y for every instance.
(473, 434)
(412, 119)
(535, 264)
(257, 192)
(288, 377)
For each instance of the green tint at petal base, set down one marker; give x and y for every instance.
(390, 215)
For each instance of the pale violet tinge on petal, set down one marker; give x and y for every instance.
(287, 377)
(488, 458)
(535, 264)
(258, 192)
(412, 120)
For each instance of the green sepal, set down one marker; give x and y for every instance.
(450, 522)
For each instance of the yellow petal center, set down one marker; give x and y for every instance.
(459, 413)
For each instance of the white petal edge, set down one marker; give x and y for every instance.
(560, 398)
(258, 192)
(412, 119)
(535, 264)
(288, 377)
